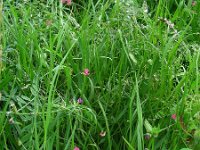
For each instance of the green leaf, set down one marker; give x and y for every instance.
(148, 126)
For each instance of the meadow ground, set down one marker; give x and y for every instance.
(100, 75)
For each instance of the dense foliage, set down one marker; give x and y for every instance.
(100, 74)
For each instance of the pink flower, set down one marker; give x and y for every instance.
(76, 148)
(79, 101)
(68, 2)
(173, 116)
(86, 72)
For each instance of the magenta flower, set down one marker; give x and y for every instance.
(173, 116)
(79, 101)
(76, 148)
(68, 2)
(86, 72)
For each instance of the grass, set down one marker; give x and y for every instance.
(143, 58)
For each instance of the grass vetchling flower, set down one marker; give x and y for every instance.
(80, 101)
(173, 116)
(76, 148)
(68, 2)
(86, 72)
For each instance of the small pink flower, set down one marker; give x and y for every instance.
(102, 133)
(79, 101)
(86, 72)
(68, 2)
(173, 116)
(76, 148)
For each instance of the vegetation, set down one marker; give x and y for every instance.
(100, 75)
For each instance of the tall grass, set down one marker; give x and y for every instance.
(1, 21)
(143, 58)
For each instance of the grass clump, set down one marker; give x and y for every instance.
(100, 75)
